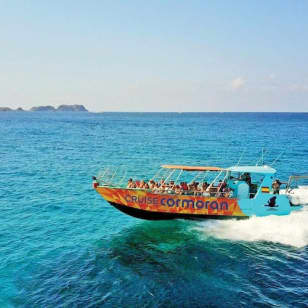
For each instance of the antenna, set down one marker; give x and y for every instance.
(274, 161)
(262, 157)
(244, 150)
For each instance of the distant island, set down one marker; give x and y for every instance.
(71, 108)
(9, 109)
(6, 109)
(43, 108)
(61, 108)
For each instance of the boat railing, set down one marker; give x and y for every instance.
(117, 177)
(294, 182)
(112, 176)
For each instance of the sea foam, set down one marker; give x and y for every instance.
(299, 195)
(289, 230)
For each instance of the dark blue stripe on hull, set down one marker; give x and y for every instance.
(148, 215)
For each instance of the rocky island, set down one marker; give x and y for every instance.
(10, 109)
(61, 108)
(6, 109)
(71, 108)
(43, 108)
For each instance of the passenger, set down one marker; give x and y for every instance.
(224, 185)
(178, 190)
(170, 188)
(151, 184)
(192, 184)
(197, 190)
(228, 193)
(165, 189)
(222, 188)
(182, 186)
(156, 188)
(185, 187)
(224, 192)
(205, 193)
(204, 187)
(159, 188)
(246, 177)
(191, 188)
(141, 184)
(130, 183)
(276, 186)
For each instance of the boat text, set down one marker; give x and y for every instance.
(185, 203)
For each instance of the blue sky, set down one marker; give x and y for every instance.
(155, 55)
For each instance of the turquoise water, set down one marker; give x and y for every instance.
(62, 245)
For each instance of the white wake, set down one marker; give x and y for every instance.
(288, 230)
(298, 195)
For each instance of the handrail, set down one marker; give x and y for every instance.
(125, 173)
(296, 178)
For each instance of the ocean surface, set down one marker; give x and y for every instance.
(62, 245)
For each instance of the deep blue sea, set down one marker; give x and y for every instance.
(62, 245)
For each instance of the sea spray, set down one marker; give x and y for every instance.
(299, 195)
(289, 230)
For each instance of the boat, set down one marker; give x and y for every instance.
(235, 192)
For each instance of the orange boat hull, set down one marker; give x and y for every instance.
(147, 205)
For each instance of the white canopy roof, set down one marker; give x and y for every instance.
(253, 169)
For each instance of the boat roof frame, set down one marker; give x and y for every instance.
(242, 169)
(193, 168)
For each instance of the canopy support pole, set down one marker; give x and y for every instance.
(101, 177)
(157, 173)
(217, 193)
(175, 182)
(205, 174)
(210, 186)
(120, 183)
(195, 178)
(170, 175)
(114, 175)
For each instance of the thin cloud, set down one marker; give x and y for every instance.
(299, 87)
(237, 83)
(272, 76)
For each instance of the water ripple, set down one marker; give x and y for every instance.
(61, 245)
